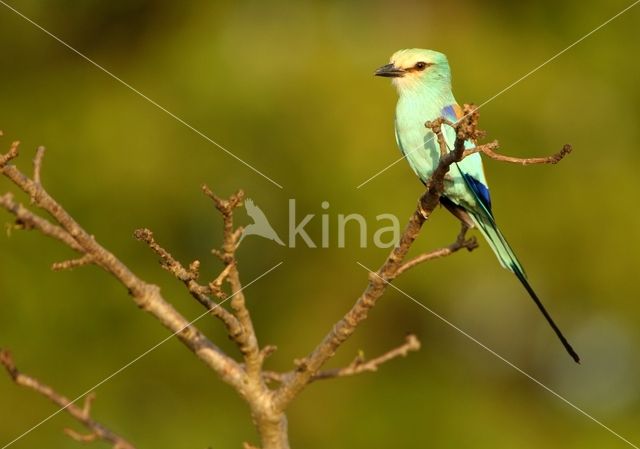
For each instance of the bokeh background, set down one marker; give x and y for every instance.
(288, 87)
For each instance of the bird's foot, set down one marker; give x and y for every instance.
(463, 242)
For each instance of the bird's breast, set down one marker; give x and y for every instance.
(417, 143)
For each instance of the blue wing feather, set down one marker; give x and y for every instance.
(481, 191)
(474, 179)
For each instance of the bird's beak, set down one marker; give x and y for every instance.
(390, 71)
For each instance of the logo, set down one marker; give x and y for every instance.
(260, 226)
(386, 235)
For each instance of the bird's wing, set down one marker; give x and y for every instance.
(470, 169)
(469, 190)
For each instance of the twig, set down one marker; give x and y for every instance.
(72, 263)
(37, 164)
(249, 378)
(460, 243)
(359, 364)
(188, 277)
(466, 129)
(11, 154)
(489, 150)
(271, 423)
(295, 381)
(216, 285)
(80, 414)
(25, 219)
(146, 296)
(249, 342)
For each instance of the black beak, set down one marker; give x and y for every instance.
(390, 71)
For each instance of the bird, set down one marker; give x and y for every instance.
(260, 225)
(422, 79)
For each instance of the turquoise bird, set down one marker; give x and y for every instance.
(423, 81)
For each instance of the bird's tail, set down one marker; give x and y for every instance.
(487, 225)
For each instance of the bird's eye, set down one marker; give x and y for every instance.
(421, 65)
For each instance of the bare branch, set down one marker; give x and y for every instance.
(294, 382)
(80, 437)
(249, 378)
(37, 164)
(25, 219)
(249, 347)
(359, 365)
(72, 263)
(270, 422)
(489, 150)
(466, 130)
(11, 154)
(460, 243)
(146, 296)
(487, 147)
(188, 277)
(226, 208)
(80, 414)
(216, 285)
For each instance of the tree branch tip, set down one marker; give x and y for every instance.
(194, 269)
(301, 364)
(72, 263)
(143, 234)
(225, 206)
(207, 191)
(6, 360)
(219, 254)
(37, 159)
(267, 351)
(436, 125)
(566, 149)
(237, 233)
(10, 155)
(412, 342)
(37, 165)
(88, 402)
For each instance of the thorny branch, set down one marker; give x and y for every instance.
(81, 414)
(248, 377)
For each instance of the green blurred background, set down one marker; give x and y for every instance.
(288, 87)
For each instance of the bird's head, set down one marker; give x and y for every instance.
(413, 68)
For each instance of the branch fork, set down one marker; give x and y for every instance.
(247, 376)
